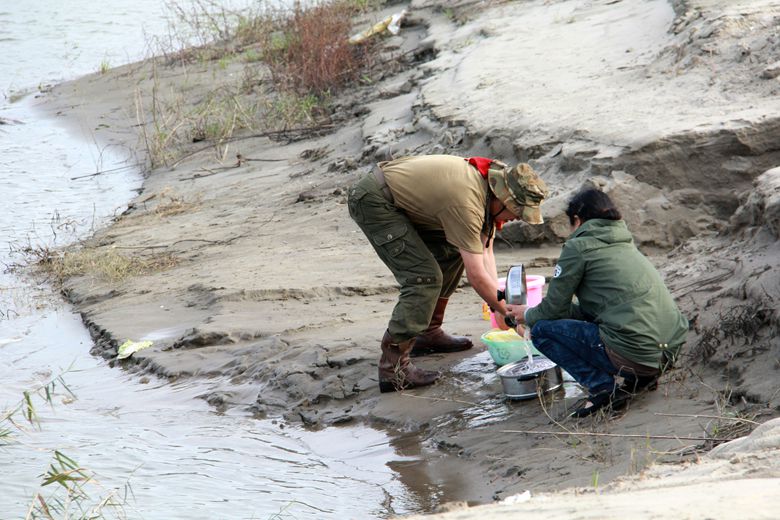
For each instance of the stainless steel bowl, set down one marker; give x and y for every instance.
(524, 380)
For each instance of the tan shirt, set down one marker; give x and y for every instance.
(440, 192)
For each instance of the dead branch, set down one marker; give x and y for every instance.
(110, 170)
(241, 159)
(209, 174)
(706, 417)
(270, 133)
(621, 435)
(404, 394)
(163, 246)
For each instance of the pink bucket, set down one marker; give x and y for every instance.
(535, 284)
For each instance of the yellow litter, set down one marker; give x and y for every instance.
(500, 336)
(391, 24)
(129, 347)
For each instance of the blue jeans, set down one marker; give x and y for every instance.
(577, 348)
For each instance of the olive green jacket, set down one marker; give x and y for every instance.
(617, 288)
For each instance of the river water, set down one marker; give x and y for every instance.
(180, 457)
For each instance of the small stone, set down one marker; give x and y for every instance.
(309, 418)
(447, 507)
(772, 71)
(341, 419)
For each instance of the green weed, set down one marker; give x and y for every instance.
(65, 486)
(292, 110)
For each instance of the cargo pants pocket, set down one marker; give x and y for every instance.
(390, 240)
(407, 256)
(354, 196)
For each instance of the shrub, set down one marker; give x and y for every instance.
(311, 53)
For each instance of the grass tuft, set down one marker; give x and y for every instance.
(293, 62)
(105, 264)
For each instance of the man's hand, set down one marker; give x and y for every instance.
(518, 313)
(503, 326)
(500, 321)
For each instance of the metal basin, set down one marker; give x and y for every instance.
(524, 380)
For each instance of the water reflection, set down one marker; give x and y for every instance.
(179, 455)
(477, 374)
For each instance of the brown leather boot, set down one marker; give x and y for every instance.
(434, 340)
(396, 371)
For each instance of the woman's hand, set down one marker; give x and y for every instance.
(517, 312)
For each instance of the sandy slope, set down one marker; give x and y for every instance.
(278, 300)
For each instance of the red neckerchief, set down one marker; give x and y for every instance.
(482, 164)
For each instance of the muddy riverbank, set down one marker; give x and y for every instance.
(276, 301)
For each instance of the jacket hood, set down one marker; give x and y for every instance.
(609, 231)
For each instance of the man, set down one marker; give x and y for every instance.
(625, 322)
(429, 218)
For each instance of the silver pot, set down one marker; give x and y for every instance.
(524, 380)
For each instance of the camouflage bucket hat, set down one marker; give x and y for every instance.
(520, 189)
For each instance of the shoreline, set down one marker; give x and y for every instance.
(278, 301)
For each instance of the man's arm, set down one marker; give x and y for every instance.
(484, 282)
(489, 261)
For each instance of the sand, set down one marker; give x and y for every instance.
(278, 302)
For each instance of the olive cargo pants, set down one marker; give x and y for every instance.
(425, 265)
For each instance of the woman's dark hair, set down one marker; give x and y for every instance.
(592, 203)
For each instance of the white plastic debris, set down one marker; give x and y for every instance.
(519, 498)
(6, 341)
(394, 27)
(129, 347)
(391, 24)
